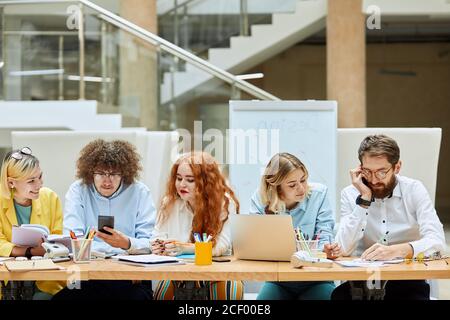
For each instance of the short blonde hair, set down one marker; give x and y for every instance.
(15, 169)
(276, 172)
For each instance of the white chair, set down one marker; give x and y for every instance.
(159, 152)
(419, 152)
(58, 152)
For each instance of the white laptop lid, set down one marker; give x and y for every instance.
(262, 237)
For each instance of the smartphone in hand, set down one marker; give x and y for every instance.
(364, 180)
(105, 221)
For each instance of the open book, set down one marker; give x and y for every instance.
(29, 234)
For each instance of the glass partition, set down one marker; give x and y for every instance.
(51, 52)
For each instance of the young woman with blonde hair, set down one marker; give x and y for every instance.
(23, 200)
(285, 189)
(197, 200)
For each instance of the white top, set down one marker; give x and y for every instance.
(179, 226)
(407, 216)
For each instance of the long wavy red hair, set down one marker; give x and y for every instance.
(212, 194)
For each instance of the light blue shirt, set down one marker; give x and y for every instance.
(312, 215)
(132, 208)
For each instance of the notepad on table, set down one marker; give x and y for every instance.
(31, 265)
(148, 260)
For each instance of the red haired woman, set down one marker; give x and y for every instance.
(197, 200)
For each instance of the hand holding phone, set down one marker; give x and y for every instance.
(105, 221)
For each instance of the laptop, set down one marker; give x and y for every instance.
(262, 237)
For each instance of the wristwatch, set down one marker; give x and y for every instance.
(361, 201)
(28, 253)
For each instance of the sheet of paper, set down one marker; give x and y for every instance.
(147, 258)
(360, 263)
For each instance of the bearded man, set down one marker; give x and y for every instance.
(386, 216)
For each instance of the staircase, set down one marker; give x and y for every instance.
(244, 53)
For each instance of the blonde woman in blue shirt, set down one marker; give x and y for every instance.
(285, 189)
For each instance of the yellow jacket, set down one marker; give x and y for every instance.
(47, 211)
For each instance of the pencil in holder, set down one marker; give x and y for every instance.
(310, 246)
(81, 249)
(203, 253)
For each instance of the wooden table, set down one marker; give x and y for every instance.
(112, 270)
(437, 269)
(235, 270)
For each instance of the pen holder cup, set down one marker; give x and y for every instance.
(203, 253)
(309, 246)
(81, 249)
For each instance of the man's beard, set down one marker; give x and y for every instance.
(386, 191)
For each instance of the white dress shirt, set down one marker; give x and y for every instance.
(179, 226)
(408, 216)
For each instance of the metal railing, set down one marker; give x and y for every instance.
(155, 40)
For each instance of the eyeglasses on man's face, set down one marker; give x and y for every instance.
(18, 155)
(380, 174)
(114, 176)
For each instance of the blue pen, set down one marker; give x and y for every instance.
(204, 236)
(87, 232)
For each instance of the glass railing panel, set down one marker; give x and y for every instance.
(38, 52)
(49, 55)
(198, 25)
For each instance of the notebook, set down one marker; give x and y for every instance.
(147, 259)
(31, 265)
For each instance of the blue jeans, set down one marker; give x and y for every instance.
(296, 290)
